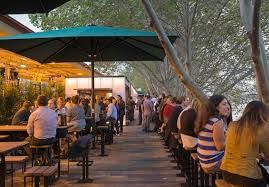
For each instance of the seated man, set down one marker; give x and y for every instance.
(22, 115)
(42, 124)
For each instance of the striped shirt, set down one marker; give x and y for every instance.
(208, 155)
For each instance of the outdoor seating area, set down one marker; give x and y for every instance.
(48, 162)
(134, 93)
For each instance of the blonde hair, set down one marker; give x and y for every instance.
(254, 117)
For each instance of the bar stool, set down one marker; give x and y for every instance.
(195, 165)
(41, 149)
(103, 129)
(187, 164)
(213, 175)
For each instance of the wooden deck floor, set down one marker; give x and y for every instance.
(135, 159)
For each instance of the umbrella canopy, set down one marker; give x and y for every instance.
(78, 44)
(28, 6)
(89, 43)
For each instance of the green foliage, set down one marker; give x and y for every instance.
(12, 97)
(10, 103)
(127, 13)
(29, 92)
(212, 40)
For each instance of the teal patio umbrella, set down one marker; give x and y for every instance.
(28, 6)
(88, 43)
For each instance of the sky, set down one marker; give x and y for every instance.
(23, 18)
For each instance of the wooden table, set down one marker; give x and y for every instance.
(13, 128)
(5, 148)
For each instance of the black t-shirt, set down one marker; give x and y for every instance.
(172, 121)
(187, 122)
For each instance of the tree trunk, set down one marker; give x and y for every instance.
(172, 56)
(250, 15)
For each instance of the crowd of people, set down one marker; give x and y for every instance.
(222, 144)
(45, 115)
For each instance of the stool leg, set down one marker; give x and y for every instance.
(68, 147)
(213, 180)
(202, 177)
(191, 170)
(37, 180)
(206, 179)
(33, 157)
(188, 169)
(87, 165)
(12, 175)
(24, 181)
(195, 174)
(46, 181)
(59, 159)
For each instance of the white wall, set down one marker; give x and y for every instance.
(116, 84)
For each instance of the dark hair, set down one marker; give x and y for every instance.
(255, 116)
(174, 100)
(110, 99)
(230, 117)
(181, 99)
(208, 111)
(131, 97)
(67, 99)
(26, 104)
(75, 99)
(42, 100)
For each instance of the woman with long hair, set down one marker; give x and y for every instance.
(210, 128)
(245, 139)
(186, 125)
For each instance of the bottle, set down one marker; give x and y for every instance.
(63, 116)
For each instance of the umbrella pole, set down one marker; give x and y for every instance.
(93, 101)
(92, 94)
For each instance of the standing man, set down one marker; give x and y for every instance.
(147, 110)
(139, 107)
(121, 105)
(131, 109)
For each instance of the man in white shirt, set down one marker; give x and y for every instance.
(42, 124)
(112, 114)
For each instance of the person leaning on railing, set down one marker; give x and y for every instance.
(211, 132)
(245, 139)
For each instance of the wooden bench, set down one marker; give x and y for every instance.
(40, 171)
(223, 183)
(16, 160)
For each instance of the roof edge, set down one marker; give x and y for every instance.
(15, 24)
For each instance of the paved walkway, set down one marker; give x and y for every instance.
(135, 159)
